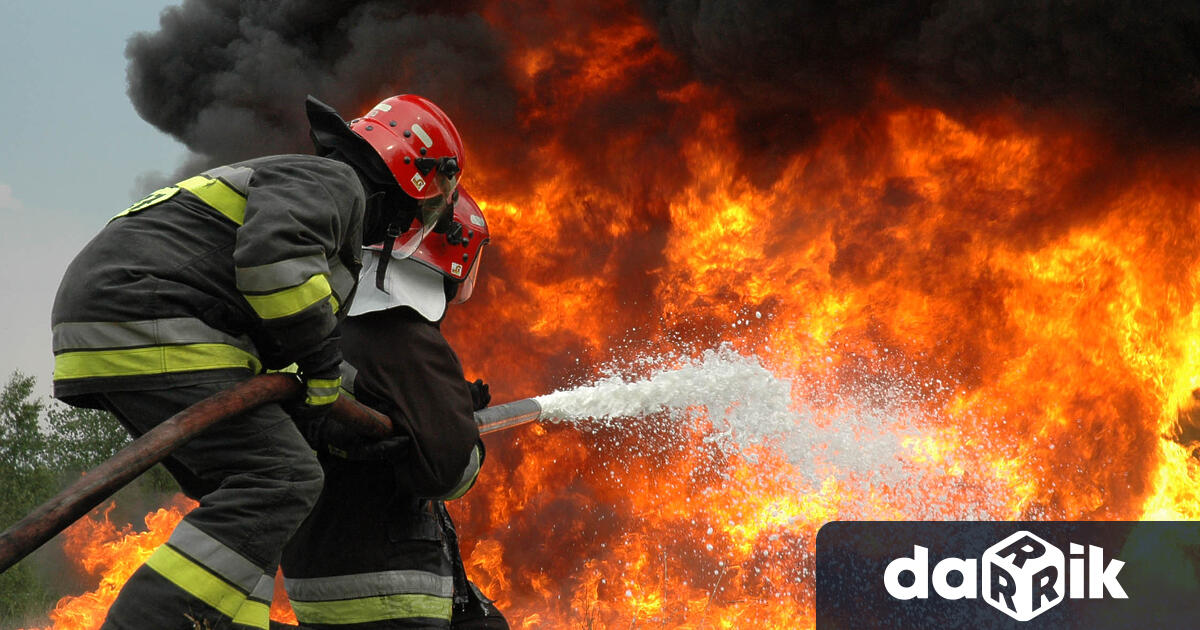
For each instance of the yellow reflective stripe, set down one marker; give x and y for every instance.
(213, 192)
(152, 360)
(205, 586)
(253, 614)
(378, 608)
(320, 400)
(280, 274)
(322, 391)
(290, 301)
(467, 481)
(333, 301)
(217, 194)
(162, 194)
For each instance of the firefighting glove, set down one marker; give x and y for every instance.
(370, 450)
(480, 396)
(322, 375)
(327, 435)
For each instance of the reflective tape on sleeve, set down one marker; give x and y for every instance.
(349, 374)
(322, 391)
(468, 477)
(290, 301)
(341, 281)
(280, 275)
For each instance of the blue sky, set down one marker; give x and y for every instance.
(72, 149)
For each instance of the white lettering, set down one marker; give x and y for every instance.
(1102, 577)
(1022, 575)
(918, 566)
(966, 577)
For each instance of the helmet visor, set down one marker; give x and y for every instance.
(433, 212)
(468, 285)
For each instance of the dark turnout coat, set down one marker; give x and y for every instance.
(243, 267)
(193, 288)
(404, 367)
(376, 553)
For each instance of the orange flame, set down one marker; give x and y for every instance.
(1005, 305)
(112, 553)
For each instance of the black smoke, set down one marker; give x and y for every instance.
(228, 78)
(1129, 69)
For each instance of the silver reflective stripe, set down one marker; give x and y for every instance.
(341, 280)
(151, 332)
(216, 557)
(468, 477)
(349, 373)
(369, 585)
(280, 275)
(265, 591)
(323, 392)
(237, 178)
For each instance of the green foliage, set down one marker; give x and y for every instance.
(80, 439)
(44, 447)
(25, 480)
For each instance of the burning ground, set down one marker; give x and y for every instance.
(960, 238)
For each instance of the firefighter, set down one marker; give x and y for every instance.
(379, 550)
(205, 283)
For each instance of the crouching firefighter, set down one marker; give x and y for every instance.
(205, 283)
(379, 550)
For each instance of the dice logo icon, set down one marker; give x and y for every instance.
(1023, 576)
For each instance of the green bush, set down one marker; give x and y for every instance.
(43, 448)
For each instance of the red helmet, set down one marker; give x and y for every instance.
(455, 253)
(423, 151)
(418, 143)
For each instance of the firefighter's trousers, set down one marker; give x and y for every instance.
(369, 558)
(256, 480)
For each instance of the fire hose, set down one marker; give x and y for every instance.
(101, 482)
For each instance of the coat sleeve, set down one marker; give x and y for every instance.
(407, 369)
(299, 215)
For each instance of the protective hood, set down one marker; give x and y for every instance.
(330, 134)
(406, 282)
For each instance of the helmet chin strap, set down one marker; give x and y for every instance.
(403, 209)
(393, 232)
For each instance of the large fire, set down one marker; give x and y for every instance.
(1012, 300)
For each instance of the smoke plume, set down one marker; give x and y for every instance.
(1130, 69)
(228, 78)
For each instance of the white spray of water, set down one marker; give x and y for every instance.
(747, 405)
(745, 401)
